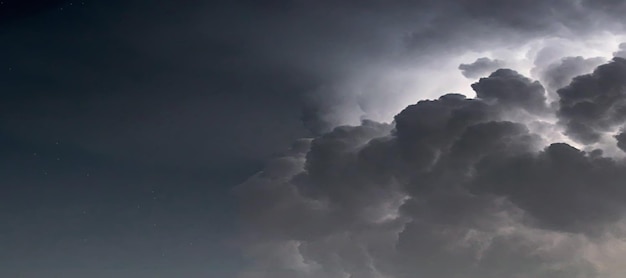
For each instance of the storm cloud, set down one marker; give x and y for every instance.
(524, 179)
(454, 187)
(594, 104)
(560, 73)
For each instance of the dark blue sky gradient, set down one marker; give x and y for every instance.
(122, 132)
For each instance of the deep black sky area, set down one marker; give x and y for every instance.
(13, 9)
(122, 132)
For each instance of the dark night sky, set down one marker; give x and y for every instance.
(156, 138)
(116, 159)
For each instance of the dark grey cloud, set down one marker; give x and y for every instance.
(457, 186)
(560, 73)
(480, 67)
(554, 187)
(621, 141)
(593, 104)
(510, 89)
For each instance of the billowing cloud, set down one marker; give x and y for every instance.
(510, 89)
(595, 103)
(519, 181)
(560, 73)
(454, 187)
(480, 67)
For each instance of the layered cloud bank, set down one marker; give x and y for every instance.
(512, 183)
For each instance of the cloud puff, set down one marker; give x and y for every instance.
(595, 103)
(560, 73)
(510, 89)
(455, 187)
(480, 67)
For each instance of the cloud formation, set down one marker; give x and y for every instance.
(454, 187)
(480, 67)
(560, 73)
(595, 103)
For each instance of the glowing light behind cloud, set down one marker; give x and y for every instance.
(380, 91)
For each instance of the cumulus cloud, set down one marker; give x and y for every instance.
(480, 67)
(510, 89)
(520, 181)
(454, 187)
(560, 73)
(595, 103)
